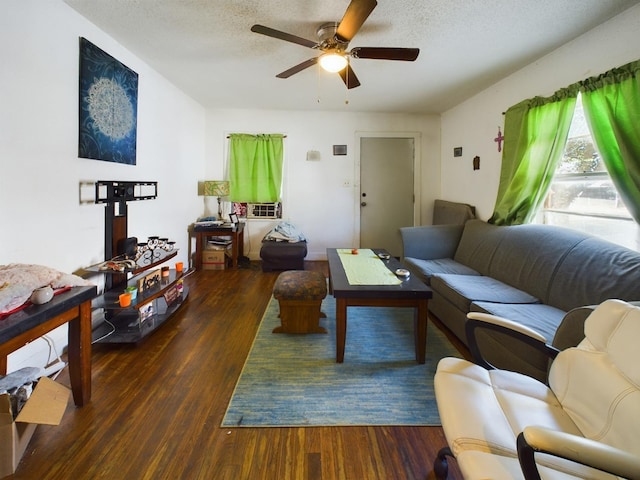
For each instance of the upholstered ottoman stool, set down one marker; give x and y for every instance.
(282, 255)
(299, 294)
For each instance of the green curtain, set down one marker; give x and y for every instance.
(612, 107)
(255, 167)
(535, 133)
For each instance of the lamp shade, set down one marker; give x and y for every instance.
(216, 188)
(333, 62)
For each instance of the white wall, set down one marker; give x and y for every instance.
(41, 218)
(315, 197)
(474, 124)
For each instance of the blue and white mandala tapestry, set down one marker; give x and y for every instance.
(108, 107)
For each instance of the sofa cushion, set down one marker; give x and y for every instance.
(478, 244)
(594, 271)
(425, 269)
(542, 318)
(461, 290)
(530, 255)
(524, 256)
(432, 241)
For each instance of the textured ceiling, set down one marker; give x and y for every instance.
(206, 48)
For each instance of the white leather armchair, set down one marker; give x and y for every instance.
(584, 424)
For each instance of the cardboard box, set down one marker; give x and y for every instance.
(46, 406)
(213, 260)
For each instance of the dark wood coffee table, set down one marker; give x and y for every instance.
(411, 293)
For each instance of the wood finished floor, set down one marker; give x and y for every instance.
(156, 408)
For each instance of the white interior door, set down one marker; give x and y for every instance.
(386, 191)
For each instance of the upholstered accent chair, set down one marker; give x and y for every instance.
(584, 423)
(299, 294)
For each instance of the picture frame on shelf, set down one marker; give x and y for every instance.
(233, 217)
(149, 281)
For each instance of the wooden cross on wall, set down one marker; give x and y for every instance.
(499, 139)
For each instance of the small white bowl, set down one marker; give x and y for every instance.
(42, 295)
(384, 256)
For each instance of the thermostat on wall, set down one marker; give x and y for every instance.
(313, 156)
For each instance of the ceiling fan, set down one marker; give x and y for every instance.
(333, 41)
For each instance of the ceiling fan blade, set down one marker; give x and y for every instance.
(349, 77)
(357, 12)
(287, 37)
(383, 53)
(298, 68)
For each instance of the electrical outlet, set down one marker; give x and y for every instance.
(346, 183)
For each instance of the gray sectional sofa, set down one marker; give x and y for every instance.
(546, 278)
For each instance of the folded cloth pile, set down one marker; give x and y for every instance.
(285, 232)
(18, 281)
(19, 385)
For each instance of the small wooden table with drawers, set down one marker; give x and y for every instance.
(236, 232)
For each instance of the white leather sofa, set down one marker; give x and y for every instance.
(586, 422)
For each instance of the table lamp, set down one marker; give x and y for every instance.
(217, 188)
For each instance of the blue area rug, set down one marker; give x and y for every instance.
(294, 380)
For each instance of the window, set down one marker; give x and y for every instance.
(255, 172)
(582, 195)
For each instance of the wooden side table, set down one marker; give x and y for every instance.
(72, 307)
(236, 232)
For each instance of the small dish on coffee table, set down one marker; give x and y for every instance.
(401, 272)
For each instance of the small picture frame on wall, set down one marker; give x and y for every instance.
(233, 217)
(457, 151)
(339, 149)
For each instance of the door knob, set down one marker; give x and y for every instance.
(363, 204)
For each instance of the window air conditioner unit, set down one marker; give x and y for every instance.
(263, 210)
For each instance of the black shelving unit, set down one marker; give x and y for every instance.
(131, 324)
(153, 306)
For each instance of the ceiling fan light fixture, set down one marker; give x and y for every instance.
(333, 62)
(333, 42)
